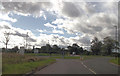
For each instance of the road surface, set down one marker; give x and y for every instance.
(75, 66)
(101, 65)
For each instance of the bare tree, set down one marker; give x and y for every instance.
(7, 38)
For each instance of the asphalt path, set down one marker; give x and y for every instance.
(75, 66)
(101, 65)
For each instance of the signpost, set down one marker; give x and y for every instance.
(35, 51)
(21, 50)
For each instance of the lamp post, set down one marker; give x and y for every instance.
(115, 33)
(26, 40)
(116, 37)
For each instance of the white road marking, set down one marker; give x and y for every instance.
(88, 68)
(92, 71)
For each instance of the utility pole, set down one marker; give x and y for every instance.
(115, 33)
(26, 40)
(116, 37)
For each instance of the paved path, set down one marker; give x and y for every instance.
(101, 65)
(75, 66)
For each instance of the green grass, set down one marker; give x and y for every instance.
(85, 57)
(115, 61)
(14, 58)
(37, 54)
(72, 57)
(13, 63)
(92, 56)
(41, 54)
(23, 68)
(77, 57)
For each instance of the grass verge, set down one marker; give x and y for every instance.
(41, 54)
(115, 61)
(13, 63)
(23, 68)
(85, 57)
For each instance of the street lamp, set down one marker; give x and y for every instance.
(115, 33)
(26, 40)
(116, 37)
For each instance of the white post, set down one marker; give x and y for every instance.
(21, 51)
(36, 51)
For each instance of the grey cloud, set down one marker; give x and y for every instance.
(31, 39)
(98, 19)
(24, 36)
(5, 27)
(82, 28)
(89, 8)
(96, 28)
(75, 10)
(19, 34)
(85, 40)
(26, 7)
(53, 39)
(107, 19)
(59, 39)
(82, 40)
(100, 26)
(70, 10)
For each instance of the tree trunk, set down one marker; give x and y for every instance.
(6, 47)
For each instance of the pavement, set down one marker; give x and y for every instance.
(75, 66)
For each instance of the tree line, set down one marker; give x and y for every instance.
(105, 47)
(58, 50)
(97, 47)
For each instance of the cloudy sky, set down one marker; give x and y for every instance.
(57, 22)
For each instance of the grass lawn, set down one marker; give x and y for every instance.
(41, 54)
(115, 61)
(37, 54)
(20, 64)
(78, 57)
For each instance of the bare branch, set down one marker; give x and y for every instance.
(7, 38)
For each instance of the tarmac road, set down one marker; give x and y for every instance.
(75, 66)
(101, 65)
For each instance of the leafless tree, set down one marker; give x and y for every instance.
(7, 38)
